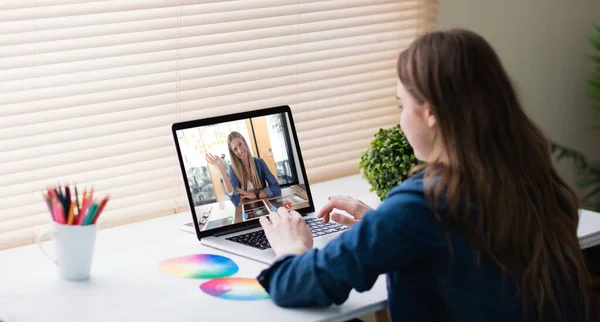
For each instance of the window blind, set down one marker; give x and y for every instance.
(89, 89)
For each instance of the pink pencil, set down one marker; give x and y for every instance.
(84, 209)
(58, 212)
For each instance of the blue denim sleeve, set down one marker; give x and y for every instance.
(273, 190)
(395, 236)
(235, 183)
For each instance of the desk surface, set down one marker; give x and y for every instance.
(589, 229)
(126, 284)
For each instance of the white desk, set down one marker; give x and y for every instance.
(589, 229)
(126, 284)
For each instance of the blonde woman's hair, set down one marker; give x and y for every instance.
(238, 165)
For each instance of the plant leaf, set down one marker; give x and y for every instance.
(588, 181)
(591, 194)
(595, 39)
(560, 152)
(594, 169)
(590, 176)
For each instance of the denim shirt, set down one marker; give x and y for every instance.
(265, 176)
(403, 240)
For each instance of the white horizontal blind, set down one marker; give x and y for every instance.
(89, 89)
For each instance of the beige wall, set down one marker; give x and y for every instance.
(543, 45)
(261, 132)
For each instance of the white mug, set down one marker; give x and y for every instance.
(74, 245)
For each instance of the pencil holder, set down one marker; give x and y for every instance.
(74, 249)
(73, 229)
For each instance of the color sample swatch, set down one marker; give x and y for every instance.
(235, 288)
(199, 266)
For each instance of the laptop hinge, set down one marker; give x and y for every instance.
(233, 230)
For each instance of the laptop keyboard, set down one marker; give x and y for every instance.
(257, 239)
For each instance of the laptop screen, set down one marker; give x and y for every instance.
(241, 169)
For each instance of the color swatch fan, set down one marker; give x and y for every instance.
(235, 288)
(199, 266)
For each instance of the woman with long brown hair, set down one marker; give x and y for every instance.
(484, 230)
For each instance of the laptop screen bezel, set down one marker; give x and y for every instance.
(235, 117)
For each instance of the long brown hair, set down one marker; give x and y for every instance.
(498, 160)
(238, 165)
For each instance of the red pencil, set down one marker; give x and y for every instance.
(102, 205)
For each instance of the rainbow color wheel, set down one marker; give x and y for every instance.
(199, 266)
(235, 288)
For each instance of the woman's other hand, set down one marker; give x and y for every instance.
(287, 232)
(215, 161)
(353, 207)
(246, 194)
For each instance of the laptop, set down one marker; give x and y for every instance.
(226, 221)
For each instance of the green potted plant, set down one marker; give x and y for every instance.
(588, 173)
(387, 161)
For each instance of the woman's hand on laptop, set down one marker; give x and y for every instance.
(353, 207)
(287, 232)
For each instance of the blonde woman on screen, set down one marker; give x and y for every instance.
(248, 178)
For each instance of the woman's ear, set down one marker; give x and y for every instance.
(429, 116)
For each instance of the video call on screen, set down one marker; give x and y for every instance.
(268, 138)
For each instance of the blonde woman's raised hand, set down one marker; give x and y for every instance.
(215, 161)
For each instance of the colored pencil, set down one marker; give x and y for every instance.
(71, 216)
(67, 203)
(91, 214)
(67, 209)
(100, 209)
(58, 212)
(77, 200)
(49, 204)
(84, 210)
